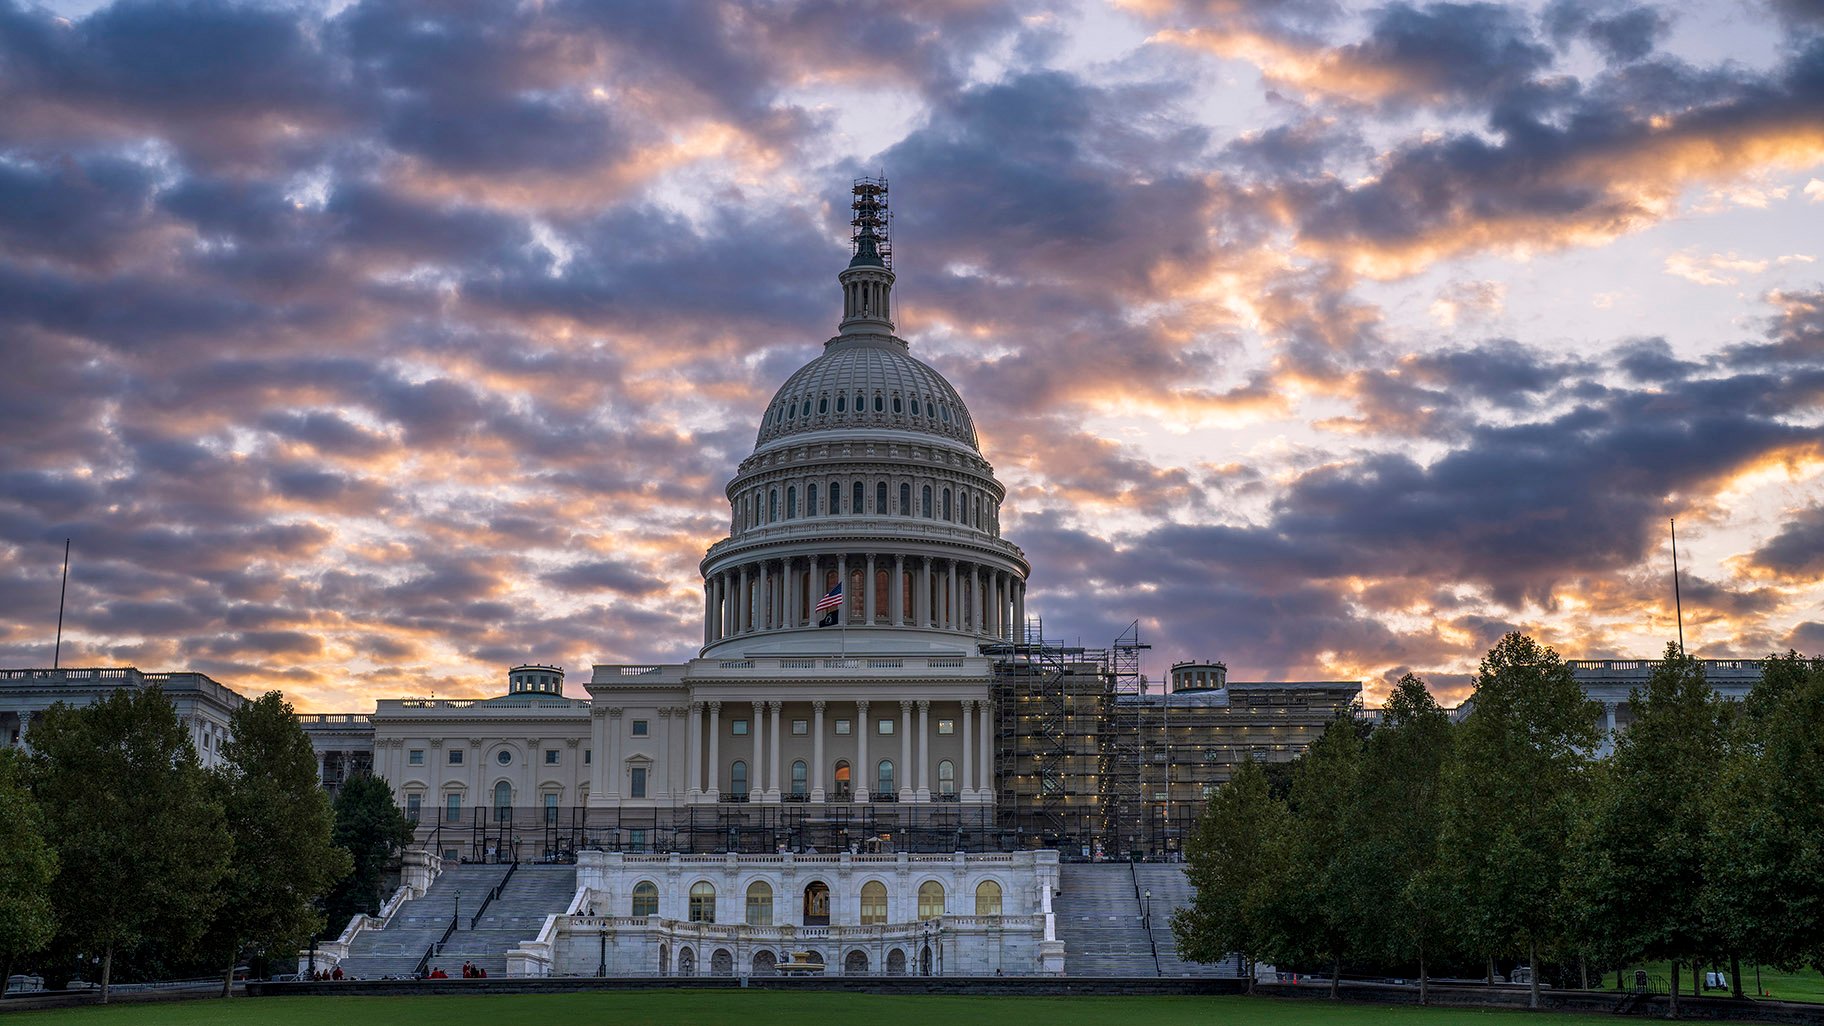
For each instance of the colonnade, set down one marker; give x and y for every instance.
(912, 759)
(878, 588)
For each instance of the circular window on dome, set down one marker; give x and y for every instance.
(504, 758)
(842, 403)
(897, 406)
(879, 406)
(823, 404)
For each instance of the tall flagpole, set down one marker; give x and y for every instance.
(63, 590)
(1677, 604)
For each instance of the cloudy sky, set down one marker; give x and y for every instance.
(366, 349)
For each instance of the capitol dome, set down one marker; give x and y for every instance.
(866, 503)
(867, 381)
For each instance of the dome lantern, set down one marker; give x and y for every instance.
(867, 283)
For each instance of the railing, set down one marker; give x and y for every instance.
(424, 964)
(493, 892)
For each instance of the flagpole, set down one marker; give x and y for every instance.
(1677, 604)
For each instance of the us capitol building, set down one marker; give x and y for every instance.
(875, 758)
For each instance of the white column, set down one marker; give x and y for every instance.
(757, 779)
(611, 773)
(896, 612)
(867, 591)
(765, 620)
(694, 746)
(905, 752)
(860, 773)
(817, 794)
(745, 613)
(966, 786)
(1019, 610)
(927, 617)
(986, 741)
(714, 790)
(924, 750)
(773, 789)
(954, 618)
(709, 613)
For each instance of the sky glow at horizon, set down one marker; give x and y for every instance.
(367, 349)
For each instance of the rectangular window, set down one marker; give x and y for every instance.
(946, 726)
(550, 756)
(641, 728)
(842, 726)
(452, 807)
(801, 727)
(885, 727)
(416, 758)
(455, 756)
(588, 756)
(636, 841)
(414, 803)
(738, 728)
(550, 809)
(449, 854)
(637, 787)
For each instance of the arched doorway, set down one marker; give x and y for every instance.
(843, 783)
(924, 961)
(817, 904)
(664, 959)
(722, 963)
(687, 962)
(896, 962)
(855, 963)
(503, 802)
(764, 963)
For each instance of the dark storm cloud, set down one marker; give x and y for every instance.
(1621, 31)
(1796, 552)
(1453, 53)
(1651, 359)
(604, 575)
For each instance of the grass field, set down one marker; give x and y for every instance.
(1800, 986)
(772, 1008)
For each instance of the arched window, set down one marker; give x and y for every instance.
(810, 499)
(823, 404)
(858, 501)
(791, 501)
(925, 505)
(702, 902)
(791, 411)
(842, 779)
(772, 506)
(645, 899)
(988, 898)
(930, 900)
(760, 903)
(835, 497)
(897, 406)
(737, 779)
(946, 504)
(884, 777)
(879, 406)
(503, 801)
(842, 403)
(817, 903)
(978, 511)
(873, 903)
(800, 772)
(880, 498)
(861, 402)
(946, 777)
(905, 500)
(807, 405)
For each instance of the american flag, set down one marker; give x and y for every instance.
(831, 599)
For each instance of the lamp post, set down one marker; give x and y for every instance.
(601, 965)
(457, 918)
(1146, 914)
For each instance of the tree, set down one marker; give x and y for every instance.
(372, 829)
(1232, 859)
(1640, 880)
(27, 865)
(284, 857)
(1764, 852)
(139, 832)
(1517, 774)
(1393, 831)
(1314, 911)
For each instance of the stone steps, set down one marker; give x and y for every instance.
(1099, 921)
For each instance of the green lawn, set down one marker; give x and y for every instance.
(770, 1008)
(1800, 986)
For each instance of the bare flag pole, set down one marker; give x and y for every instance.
(62, 590)
(1677, 603)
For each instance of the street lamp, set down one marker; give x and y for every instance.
(1146, 915)
(456, 920)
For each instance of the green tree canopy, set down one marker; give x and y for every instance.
(1233, 861)
(284, 858)
(27, 865)
(372, 829)
(139, 831)
(1639, 869)
(1392, 836)
(1764, 853)
(1512, 791)
(1315, 907)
